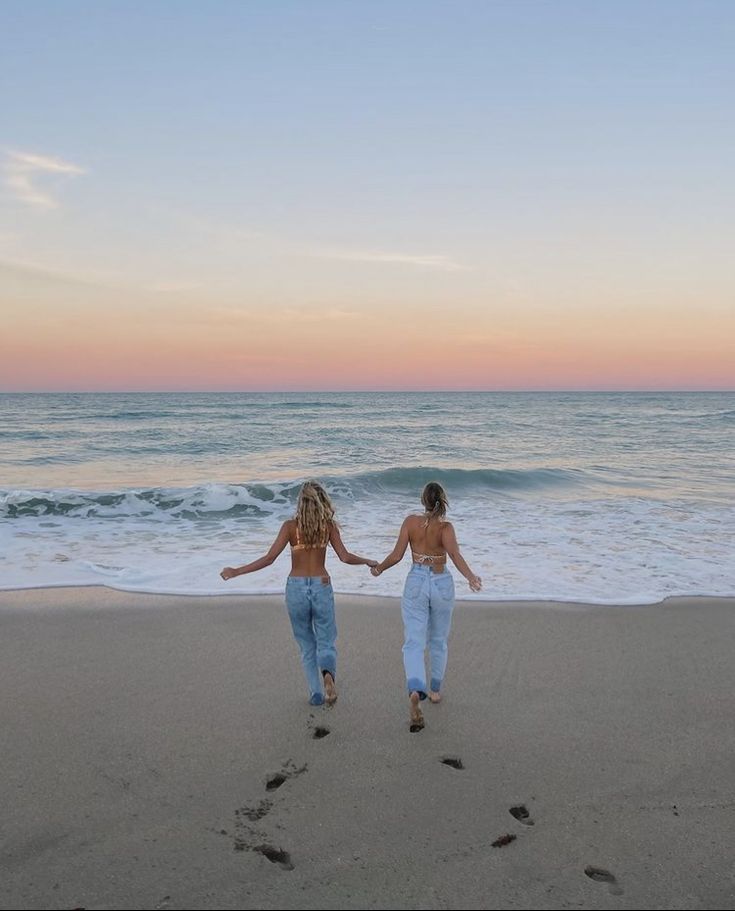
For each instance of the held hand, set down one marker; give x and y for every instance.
(475, 583)
(371, 563)
(228, 573)
(375, 570)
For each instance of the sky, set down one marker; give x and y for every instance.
(367, 195)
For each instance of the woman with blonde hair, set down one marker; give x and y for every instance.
(309, 594)
(428, 595)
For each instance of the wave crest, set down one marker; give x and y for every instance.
(213, 501)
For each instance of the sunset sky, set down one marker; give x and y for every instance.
(367, 195)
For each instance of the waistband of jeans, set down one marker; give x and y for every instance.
(320, 578)
(426, 568)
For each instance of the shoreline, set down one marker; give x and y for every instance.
(486, 603)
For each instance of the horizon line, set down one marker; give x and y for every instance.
(530, 390)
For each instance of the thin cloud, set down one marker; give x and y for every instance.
(234, 315)
(26, 269)
(23, 170)
(427, 261)
(174, 287)
(308, 316)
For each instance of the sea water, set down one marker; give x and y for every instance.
(602, 497)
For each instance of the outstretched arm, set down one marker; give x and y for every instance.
(335, 539)
(449, 543)
(396, 555)
(277, 546)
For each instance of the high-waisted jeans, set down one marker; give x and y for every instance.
(426, 606)
(310, 604)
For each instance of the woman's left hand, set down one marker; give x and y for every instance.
(375, 570)
(228, 573)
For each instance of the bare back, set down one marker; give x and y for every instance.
(426, 541)
(432, 542)
(306, 560)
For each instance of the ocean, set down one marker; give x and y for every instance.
(599, 497)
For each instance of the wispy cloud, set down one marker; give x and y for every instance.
(331, 314)
(420, 260)
(23, 170)
(174, 287)
(234, 315)
(31, 270)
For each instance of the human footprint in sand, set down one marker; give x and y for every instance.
(309, 594)
(428, 595)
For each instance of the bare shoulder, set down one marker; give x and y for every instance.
(412, 521)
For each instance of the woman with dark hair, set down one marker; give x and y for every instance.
(428, 595)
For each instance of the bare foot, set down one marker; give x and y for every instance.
(435, 697)
(417, 716)
(330, 690)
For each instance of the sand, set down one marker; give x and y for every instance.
(159, 752)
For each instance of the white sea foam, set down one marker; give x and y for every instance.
(605, 551)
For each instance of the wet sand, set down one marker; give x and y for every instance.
(159, 752)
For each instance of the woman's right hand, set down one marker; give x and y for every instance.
(475, 583)
(228, 573)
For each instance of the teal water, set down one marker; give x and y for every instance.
(578, 496)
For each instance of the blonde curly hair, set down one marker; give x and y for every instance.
(314, 515)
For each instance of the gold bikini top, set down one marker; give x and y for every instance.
(299, 545)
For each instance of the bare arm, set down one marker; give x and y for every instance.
(449, 543)
(396, 555)
(335, 539)
(276, 548)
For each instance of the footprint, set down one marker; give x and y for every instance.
(246, 836)
(521, 813)
(598, 875)
(453, 762)
(320, 732)
(504, 840)
(289, 770)
(275, 856)
(255, 813)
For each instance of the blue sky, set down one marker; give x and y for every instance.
(526, 155)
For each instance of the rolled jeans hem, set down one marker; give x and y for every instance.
(416, 686)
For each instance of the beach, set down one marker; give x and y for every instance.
(159, 752)
(317, 291)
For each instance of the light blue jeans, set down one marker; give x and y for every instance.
(426, 606)
(310, 604)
